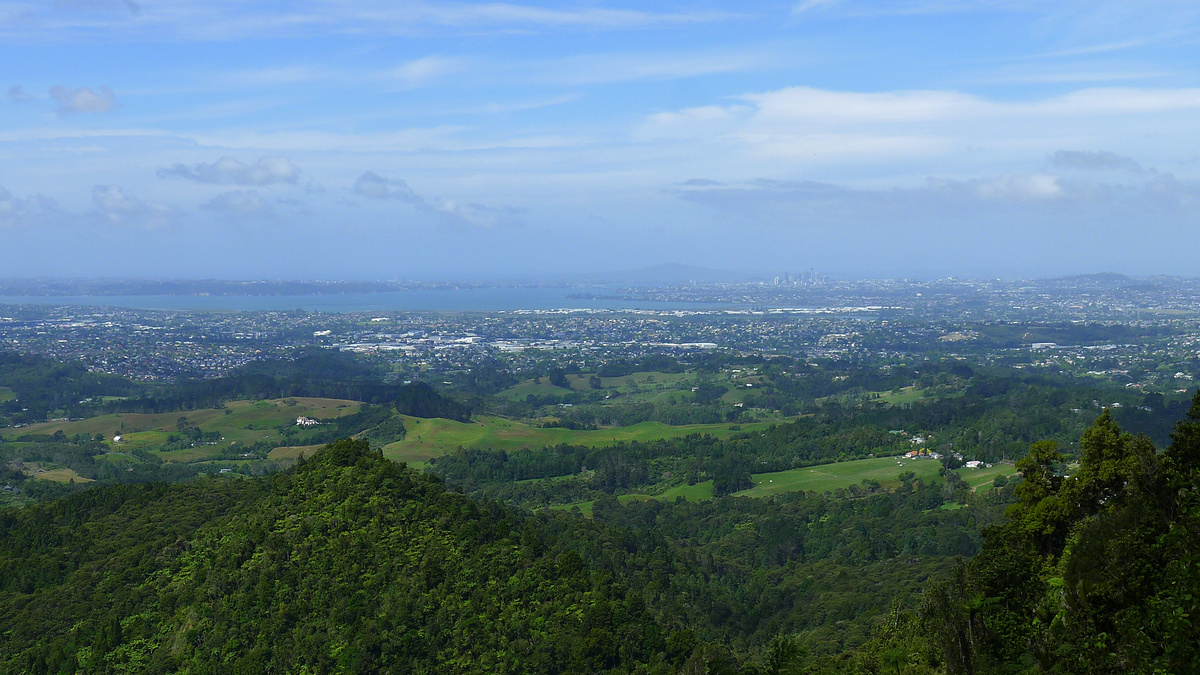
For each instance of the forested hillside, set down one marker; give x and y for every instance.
(680, 550)
(1097, 571)
(350, 562)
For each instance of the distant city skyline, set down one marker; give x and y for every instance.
(366, 139)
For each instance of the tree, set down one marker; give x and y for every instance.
(783, 656)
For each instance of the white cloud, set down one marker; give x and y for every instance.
(1028, 187)
(374, 186)
(807, 104)
(809, 127)
(83, 99)
(447, 211)
(19, 212)
(239, 203)
(229, 171)
(116, 207)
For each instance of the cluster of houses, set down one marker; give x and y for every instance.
(922, 453)
(306, 422)
(925, 453)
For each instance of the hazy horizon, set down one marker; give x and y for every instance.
(614, 278)
(497, 141)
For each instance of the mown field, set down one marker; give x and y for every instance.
(829, 477)
(429, 438)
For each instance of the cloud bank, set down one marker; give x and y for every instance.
(229, 171)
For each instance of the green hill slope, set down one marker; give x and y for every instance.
(350, 563)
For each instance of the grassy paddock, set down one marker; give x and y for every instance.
(294, 452)
(645, 383)
(693, 493)
(429, 438)
(829, 477)
(980, 480)
(239, 422)
(584, 507)
(56, 475)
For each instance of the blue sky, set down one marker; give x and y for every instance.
(385, 139)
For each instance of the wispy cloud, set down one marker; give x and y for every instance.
(231, 19)
(1033, 196)
(808, 5)
(1092, 161)
(800, 103)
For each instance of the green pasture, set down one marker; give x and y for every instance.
(822, 478)
(429, 438)
(118, 458)
(644, 380)
(980, 480)
(901, 396)
(637, 386)
(829, 477)
(294, 451)
(7, 394)
(519, 392)
(584, 507)
(693, 493)
(239, 422)
(739, 391)
(58, 475)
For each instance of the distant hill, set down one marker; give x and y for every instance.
(1099, 278)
